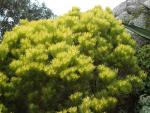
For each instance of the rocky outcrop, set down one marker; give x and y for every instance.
(147, 3)
(136, 12)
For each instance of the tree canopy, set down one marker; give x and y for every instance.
(11, 11)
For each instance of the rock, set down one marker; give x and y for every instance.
(140, 21)
(134, 6)
(125, 17)
(134, 12)
(140, 40)
(119, 9)
(147, 3)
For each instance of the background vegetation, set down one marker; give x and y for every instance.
(143, 54)
(11, 11)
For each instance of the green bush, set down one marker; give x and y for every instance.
(143, 55)
(82, 62)
(144, 103)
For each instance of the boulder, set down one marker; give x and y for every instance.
(125, 17)
(134, 12)
(147, 3)
(139, 21)
(119, 9)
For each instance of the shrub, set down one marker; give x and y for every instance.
(143, 55)
(144, 103)
(82, 62)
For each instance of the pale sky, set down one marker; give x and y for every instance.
(59, 7)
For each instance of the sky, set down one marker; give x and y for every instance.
(59, 7)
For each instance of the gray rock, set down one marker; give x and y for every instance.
(140, 40)
(132, 9)
(134, 12)
(134, 2)
(147, 3)
(142, 1)
(134, 6)
(125, 17)
(130, 2)
(140, 21)
(119, 9)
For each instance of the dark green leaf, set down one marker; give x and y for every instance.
(140, 31)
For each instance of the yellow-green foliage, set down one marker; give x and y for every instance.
(82, 62)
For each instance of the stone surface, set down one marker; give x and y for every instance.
(134, 12)
(139, 21)
(125, 17)
(119, 9)
(147, 3)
